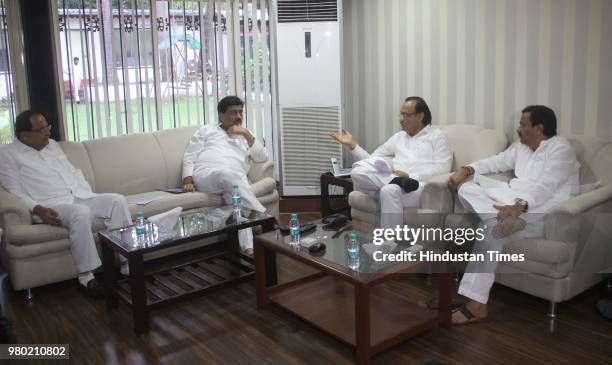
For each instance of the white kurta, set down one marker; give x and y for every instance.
(48, 179)
(422, 156)
(77, 77)
(217, 161)
(44, 177)
(544, 178)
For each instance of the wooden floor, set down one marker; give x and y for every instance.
(225, 327)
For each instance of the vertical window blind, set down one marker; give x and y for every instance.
(146, 65)
(7, 97)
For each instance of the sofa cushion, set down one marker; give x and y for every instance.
(595, 157)
(166, 201)
(77, 155)
(471, 143)
(172, 144)
(128, 164)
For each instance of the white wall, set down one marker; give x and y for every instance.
(479, 62)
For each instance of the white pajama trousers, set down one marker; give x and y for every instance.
(392, 198)
(479, 276)
(220, 181)
(77, 217)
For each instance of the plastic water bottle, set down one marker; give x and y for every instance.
(353, 252)
(236, 202)
(141, 226)
(294, 229)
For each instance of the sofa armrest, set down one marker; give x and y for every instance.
(260, 170)
(582, 221)
(13, 210)
(436, 194)
(584, 202)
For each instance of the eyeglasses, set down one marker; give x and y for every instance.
(406, 115)
(46, 128)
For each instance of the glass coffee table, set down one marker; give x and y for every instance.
(198, 271)
(350, 304)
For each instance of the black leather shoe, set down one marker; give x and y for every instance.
(93, 289)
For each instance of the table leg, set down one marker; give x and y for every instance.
(108, 264)
(324, 196)
(232, 239)
(139, 298)
(267, 225)
(261, 288)
(362, 324)
(445, 293)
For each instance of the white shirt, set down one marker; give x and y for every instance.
(544, 177)
(422, 156)
(44, 177)
(211, 146)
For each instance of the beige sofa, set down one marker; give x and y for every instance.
(38, 254)
(577, 244)
(468, 143)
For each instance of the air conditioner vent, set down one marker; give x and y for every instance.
(294, 11)
(306, 145)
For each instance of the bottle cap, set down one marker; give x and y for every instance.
(235, 186)
(293, 215)
(353, 236)
(139, 215)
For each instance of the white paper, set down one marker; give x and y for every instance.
(382, 166)
(497, 190)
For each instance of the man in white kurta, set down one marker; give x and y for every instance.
(77, 77)
(219, 156)
(546, 171)
(35, 169)
(420, 151)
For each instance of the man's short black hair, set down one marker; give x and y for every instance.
(543, 115)
(421, 107)
(23, 122)
(228, 101)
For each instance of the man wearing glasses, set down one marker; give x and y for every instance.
(35, 169)
(420, 152)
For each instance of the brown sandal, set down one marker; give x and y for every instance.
(470, 317)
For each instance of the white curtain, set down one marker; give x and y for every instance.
(147, 65)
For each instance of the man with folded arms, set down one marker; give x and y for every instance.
(218, 156)
(420, 152)
(35, 169)
(546, 173)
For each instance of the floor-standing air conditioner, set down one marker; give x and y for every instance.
(308, 91)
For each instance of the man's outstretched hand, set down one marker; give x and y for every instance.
(345, 138)
(47, 215)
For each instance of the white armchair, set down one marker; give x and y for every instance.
(576, 247)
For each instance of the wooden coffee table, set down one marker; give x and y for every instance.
(211, 267)
(349, 305)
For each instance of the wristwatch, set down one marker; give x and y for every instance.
(523, 203)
